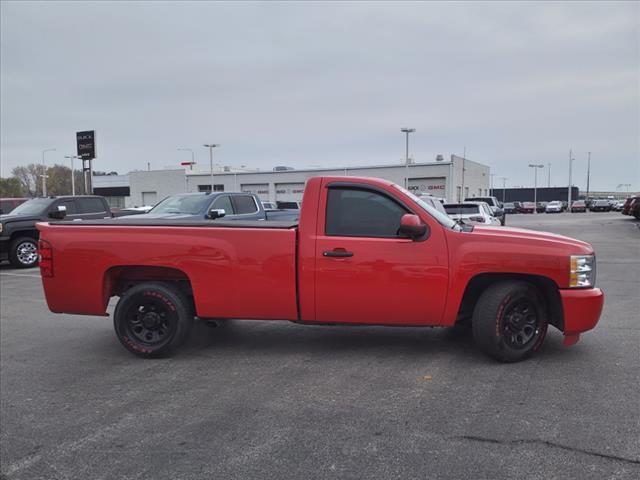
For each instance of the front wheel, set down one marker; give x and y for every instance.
(510, 321)
(23, 252)
(152, 319)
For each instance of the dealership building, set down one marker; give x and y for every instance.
(452, 180)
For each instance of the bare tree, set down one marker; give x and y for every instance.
(11, 187)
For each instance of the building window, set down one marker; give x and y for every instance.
(115, 202)
(207, 188)
(466, 192)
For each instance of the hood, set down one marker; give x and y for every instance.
(521, 234)
(18, 218)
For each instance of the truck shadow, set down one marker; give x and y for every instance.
(284, 338)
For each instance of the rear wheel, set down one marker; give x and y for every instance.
(510, 321)
(23, 252)
(153, 319)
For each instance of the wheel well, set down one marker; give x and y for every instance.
(547, 287)
(24, 233)
(117, 280)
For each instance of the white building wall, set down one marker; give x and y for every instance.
(156, 184)
(431, 178)
(440, 179)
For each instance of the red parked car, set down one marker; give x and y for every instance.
(8, 204)
(364, 251)
(528, 207)
(634, 209)
(626, 208)
(579, 206)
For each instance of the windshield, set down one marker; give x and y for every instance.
(462, 209)
(35, 206)
(440, 217)
(189, 204)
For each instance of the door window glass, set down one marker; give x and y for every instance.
(362, 213)
(224, 203)
(70, 204)
(244, 204)
(91, 205)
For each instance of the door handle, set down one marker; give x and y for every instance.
(337, 253)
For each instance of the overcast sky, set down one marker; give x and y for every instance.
(326, 84)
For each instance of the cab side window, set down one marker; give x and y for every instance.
(224, 203)
(362, 213)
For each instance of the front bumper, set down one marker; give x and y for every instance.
(582, 309)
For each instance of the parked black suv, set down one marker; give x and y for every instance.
(18, 234)
(496, 206)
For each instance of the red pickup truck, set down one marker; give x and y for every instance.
(365, 251)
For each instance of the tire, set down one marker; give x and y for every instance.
(510, 321)
(503, 220)
(153, 319)
(23, 252)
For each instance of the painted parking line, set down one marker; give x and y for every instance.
(2, 274)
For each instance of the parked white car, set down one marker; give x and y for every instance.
(472, 212)
(554, 207)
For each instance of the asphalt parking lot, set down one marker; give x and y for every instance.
(278, 400)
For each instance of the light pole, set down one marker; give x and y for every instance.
(464, 158)
(571, 160)
(211, 146)
(193, 161)
(535, 184)
(73, 181)
(407, 131)
(588, 173)
(549, 175)
(44, 171)
(491, 183)
(504, 186)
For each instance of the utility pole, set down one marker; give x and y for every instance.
(406, 131)
(549, 176)
(211, 146)
(535, 185)
(504, 186)
(73, 180)
(571, 160)
(44, 171)
(588, 173)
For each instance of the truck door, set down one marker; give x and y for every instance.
(367, 273)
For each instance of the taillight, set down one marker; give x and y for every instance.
(477, 219)
(45, 258)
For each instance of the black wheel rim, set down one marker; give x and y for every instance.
(150, 322)
(521, 324)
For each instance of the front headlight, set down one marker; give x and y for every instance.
(582, 271)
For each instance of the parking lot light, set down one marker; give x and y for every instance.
(407, 131)
(211, 146)
(535, 185)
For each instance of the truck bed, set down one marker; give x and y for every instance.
(236, 269)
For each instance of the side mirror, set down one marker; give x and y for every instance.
(412, 227)
(59, 214)
(216, 213)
